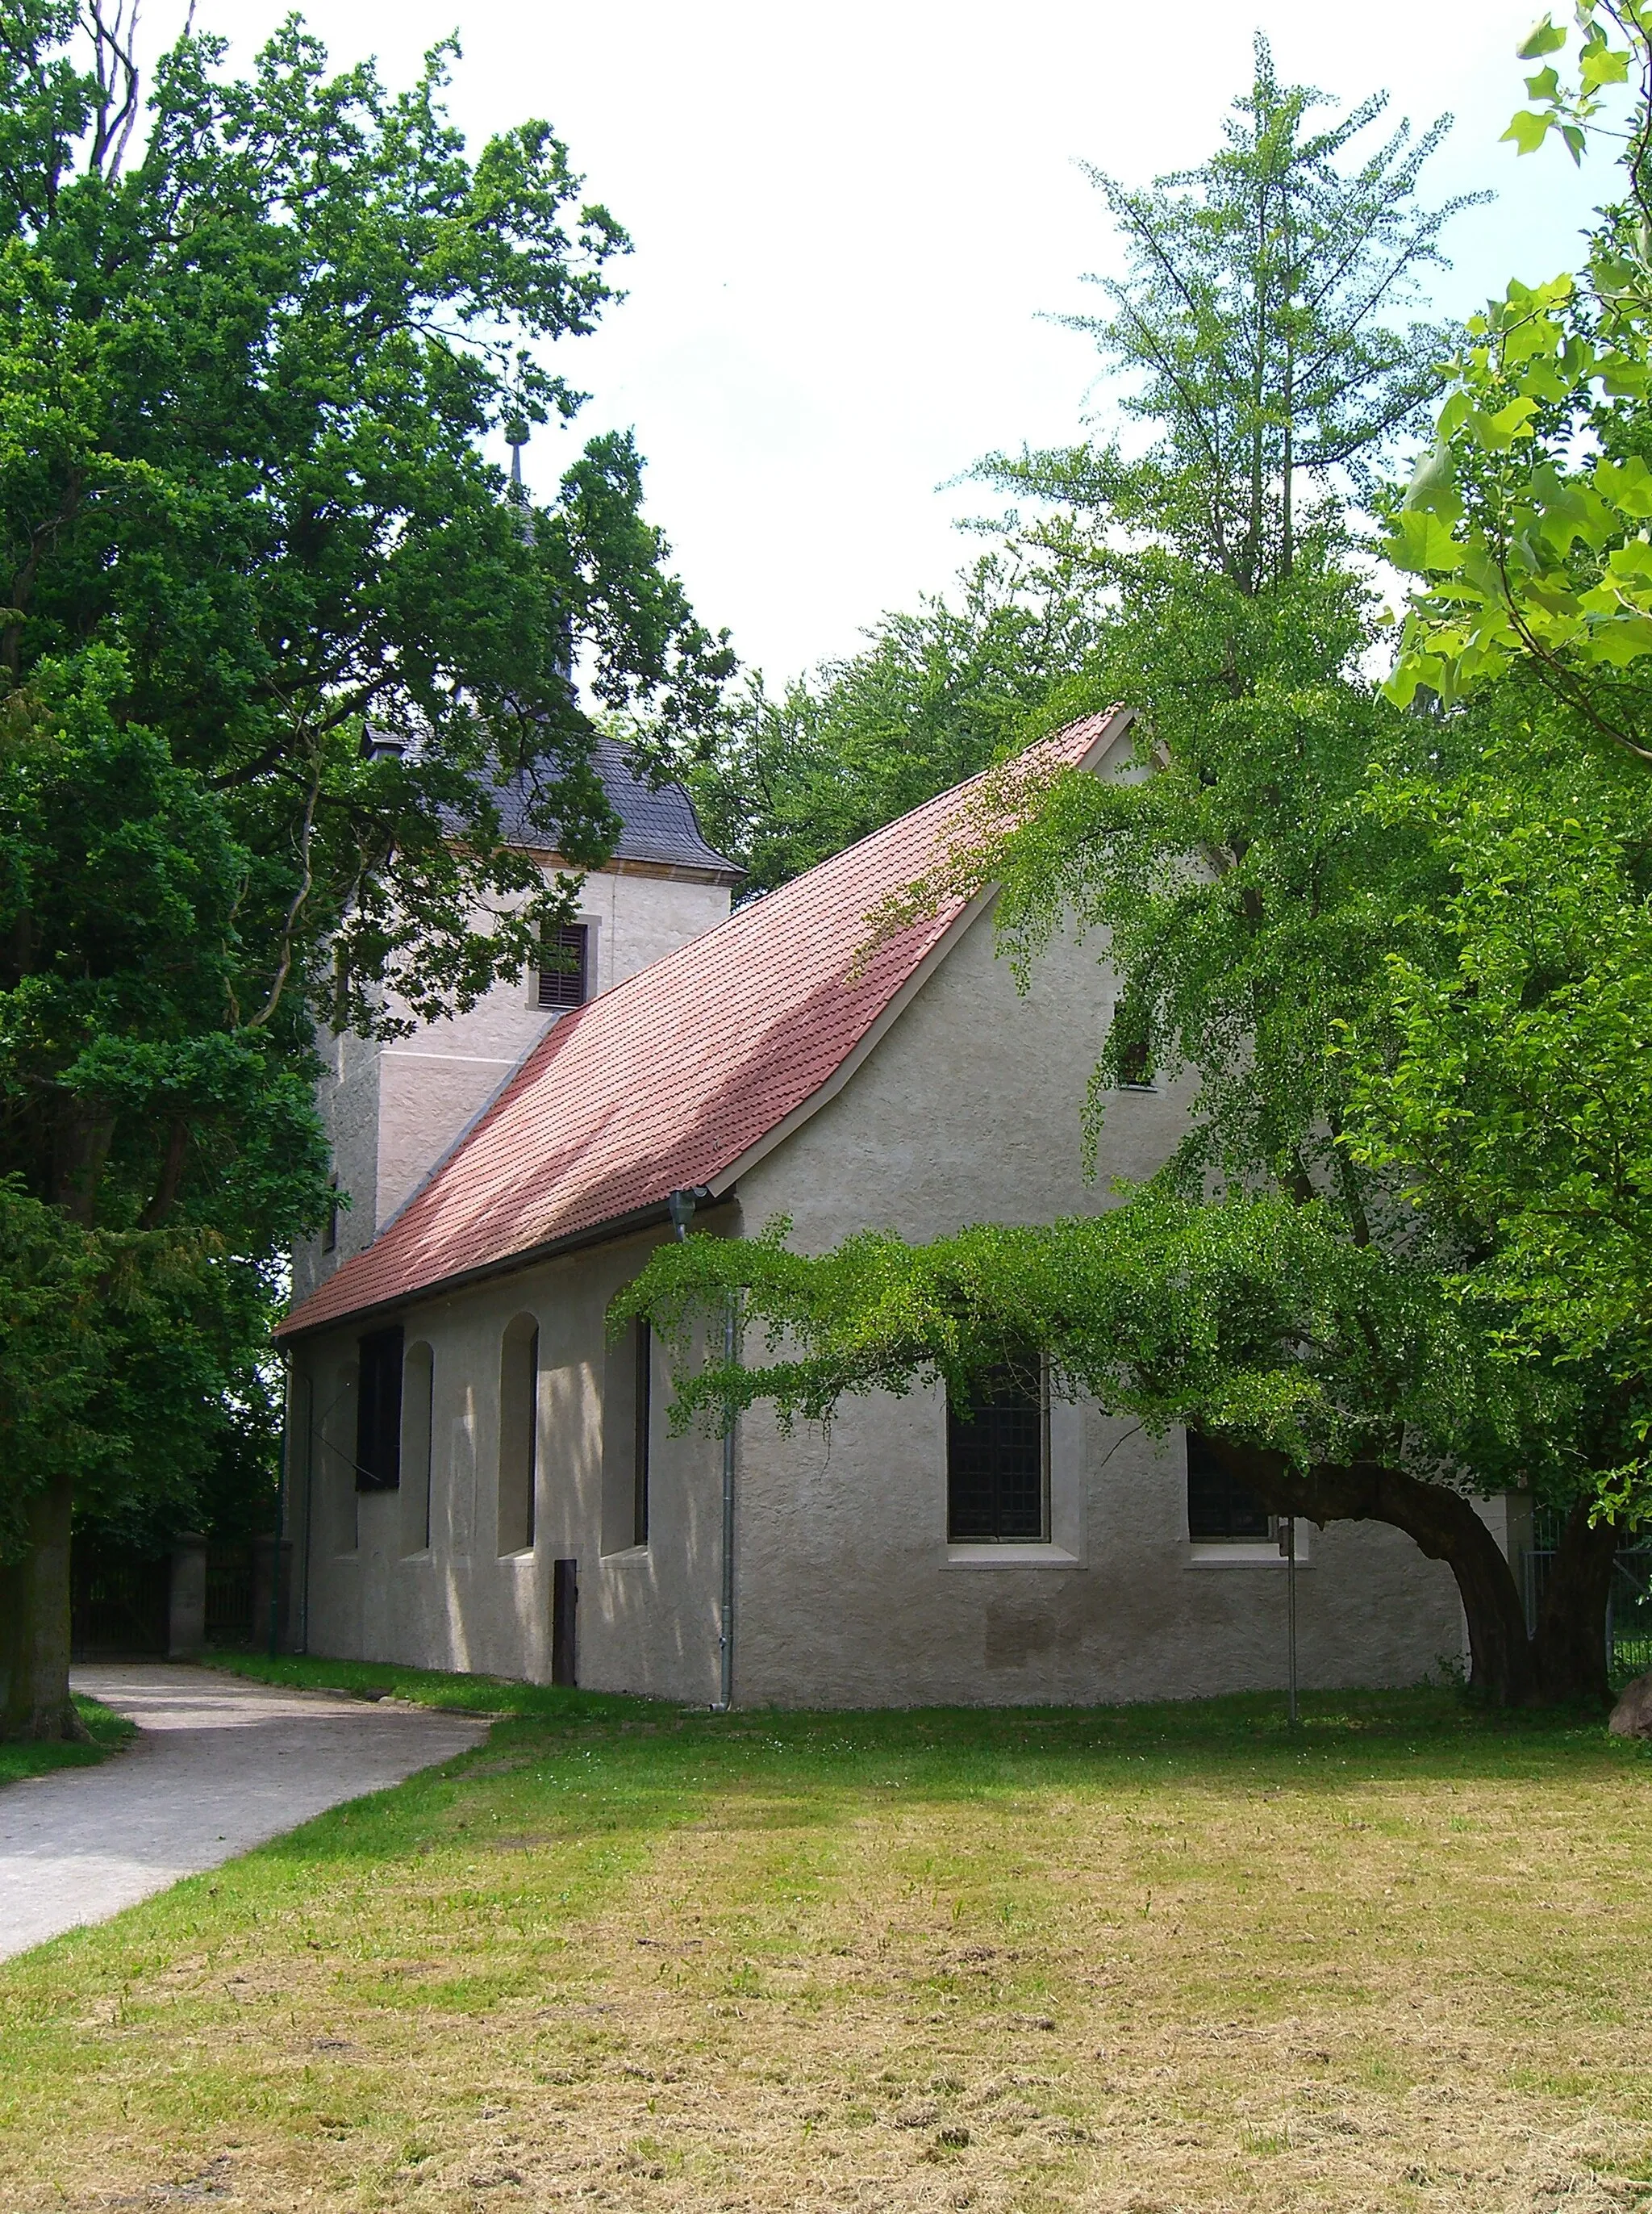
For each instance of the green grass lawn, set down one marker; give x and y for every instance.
(108, 1733)
(1136, 1960)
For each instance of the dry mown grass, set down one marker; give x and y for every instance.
(1162, 1959)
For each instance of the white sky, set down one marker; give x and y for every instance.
(849, 220)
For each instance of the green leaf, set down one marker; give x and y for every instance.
(1545, 85)
(1623, 640)
(1422, 543)
(1628, 484)
(1527, 130)
(1601, 64)
(1545, 39)
(1433, 484)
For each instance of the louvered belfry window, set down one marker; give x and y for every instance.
(565, 969)
(996, 1492)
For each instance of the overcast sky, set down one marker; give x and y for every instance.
(851, 223)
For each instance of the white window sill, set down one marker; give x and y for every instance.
(1011, 1556)
(633, 1556)
(413, 1560)
(517, 1553)
(1240, 1556)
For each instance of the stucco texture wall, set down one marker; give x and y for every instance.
(647, 1616)
(848, 1591)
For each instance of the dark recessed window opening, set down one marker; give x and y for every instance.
(996, 1492)
(1134, 1047)
(1220, 1510)
(519, 1428)
(563, 975)
(644, 1413)
(330, 1228)
(378, 1412)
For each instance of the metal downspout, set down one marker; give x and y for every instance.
(726, 1640)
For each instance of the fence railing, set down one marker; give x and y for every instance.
(1629, 1605)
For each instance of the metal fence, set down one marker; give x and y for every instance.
(118, 1603)
(230, 1595)
(1628, 1606)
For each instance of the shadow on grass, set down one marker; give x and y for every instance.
(109, 1732)
(561, 1765)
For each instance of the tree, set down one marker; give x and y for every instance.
(1273, 1286)
(1256, 330)
(247, 360)
(1503, 1065)
(1528, 519)
(935, 696)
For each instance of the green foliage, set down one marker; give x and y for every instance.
(246, 378)
(1528, 521)
(1255, 328)
(1258, 1319)
(1503, 1067)
(935, 697)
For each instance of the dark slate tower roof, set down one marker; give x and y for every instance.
(660, 829)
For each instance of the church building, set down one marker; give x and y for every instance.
(481, 1476)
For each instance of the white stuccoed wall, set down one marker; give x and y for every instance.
(848, 1592)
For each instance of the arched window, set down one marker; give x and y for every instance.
(627, 1418)
(519, 1424)
(337, 1466)
(417, 1384)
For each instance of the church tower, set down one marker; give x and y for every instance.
(393, 1110)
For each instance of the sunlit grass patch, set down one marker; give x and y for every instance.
(1171, 1957)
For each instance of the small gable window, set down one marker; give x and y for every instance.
(1220, 1510)
(997, 1460)
(563, 977)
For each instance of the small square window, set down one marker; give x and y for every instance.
(1220, 1510)
(562, 979)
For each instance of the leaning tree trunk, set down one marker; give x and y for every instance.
(1570, 1645)
(35, 1700)
(1446, 1527)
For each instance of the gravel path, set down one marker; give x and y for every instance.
(220, 1765)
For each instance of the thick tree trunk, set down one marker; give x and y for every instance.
(1570, 1645)
(1444, 1525)
(35, 1700)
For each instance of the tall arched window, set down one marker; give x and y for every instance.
(627, 1412)
(418, 1383)
(519, 1424)
(337, 1471)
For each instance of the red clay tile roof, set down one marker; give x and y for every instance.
(667, 1081)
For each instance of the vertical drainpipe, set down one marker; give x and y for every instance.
(726, 1640)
